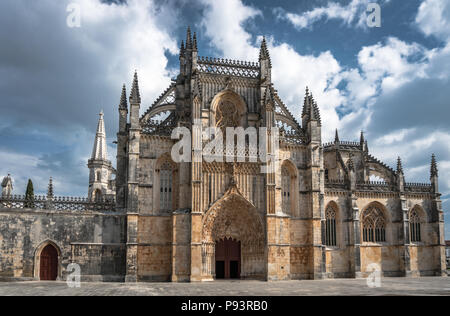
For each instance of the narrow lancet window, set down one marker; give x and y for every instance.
(330, 229)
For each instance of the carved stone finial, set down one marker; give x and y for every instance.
(399, 166)
(195, 41)
(135, 96)
(434, 169)
(264, 52)
(188, 38)
(50, 189)
(182, 48)
(123, 98)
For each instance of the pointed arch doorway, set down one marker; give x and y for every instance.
(48, 269)
(228, 259)
(233, 244)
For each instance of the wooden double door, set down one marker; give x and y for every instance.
(228, 259)
(48, 268)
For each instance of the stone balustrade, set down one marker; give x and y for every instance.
(39, 202)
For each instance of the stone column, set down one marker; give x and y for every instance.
(406, 236)
(356, 236)
(197, 212)
(442, 262)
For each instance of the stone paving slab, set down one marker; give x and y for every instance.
(389, 286)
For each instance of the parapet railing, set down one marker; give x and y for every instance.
(363, 186)
(335, 184)
(380, 186)
(228, 67)
(418, 187)
(56, 203)
(292, 137)
(342, 143)
(375, 185)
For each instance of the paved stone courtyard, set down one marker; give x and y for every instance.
(389, 286)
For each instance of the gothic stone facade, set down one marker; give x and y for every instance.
(317, 216)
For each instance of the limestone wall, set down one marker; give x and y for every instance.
(93, 240)
(154, 248)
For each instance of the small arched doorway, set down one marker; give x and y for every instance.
(228, 259)
(48, 264)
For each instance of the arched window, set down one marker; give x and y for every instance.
(286, 190)
(165, 194)
(374, 225)
(330, 228)
(414, 226)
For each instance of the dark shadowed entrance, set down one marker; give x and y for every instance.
(48, 264)
(228, 259)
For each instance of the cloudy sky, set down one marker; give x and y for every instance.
(392, 82)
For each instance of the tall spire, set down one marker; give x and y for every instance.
(434, 169)
(188, 38)
(306, 107)
(99, 152)
(135, 96)
(123, 99)
(399, 166)
(361, 139)
(336, 137)
(264, 51)
(311, 110)
(182, 48)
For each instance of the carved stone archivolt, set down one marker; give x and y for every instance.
(235, 217)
